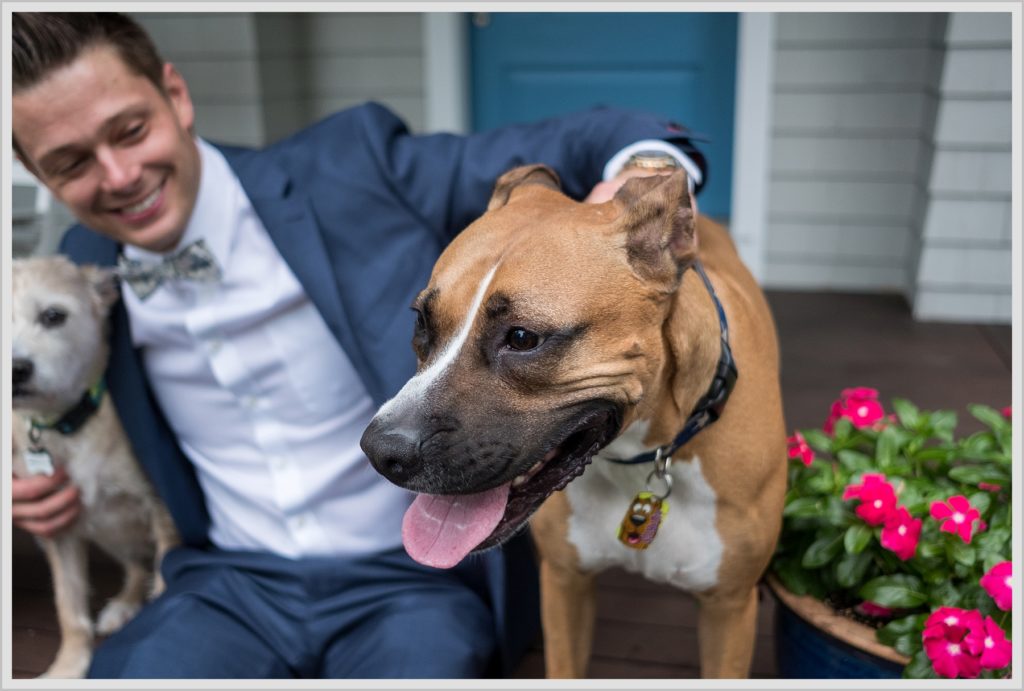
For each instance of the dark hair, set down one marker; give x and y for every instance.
(44, 41)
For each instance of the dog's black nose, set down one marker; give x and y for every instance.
(394, 453)
(21, 370)
(637, 519)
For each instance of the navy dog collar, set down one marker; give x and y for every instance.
(709, 407)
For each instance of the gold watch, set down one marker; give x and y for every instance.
(652, 160)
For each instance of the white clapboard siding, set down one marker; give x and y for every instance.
(217, 53)
(257, 77)
(964, 272)
(854, 103)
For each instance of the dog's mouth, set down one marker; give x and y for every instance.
(441, 530)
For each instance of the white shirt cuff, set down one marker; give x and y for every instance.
(616, 162)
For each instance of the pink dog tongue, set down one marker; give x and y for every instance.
(441, 530)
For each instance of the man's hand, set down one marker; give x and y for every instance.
(44, 505)
(606, 189)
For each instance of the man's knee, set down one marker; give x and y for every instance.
(180, 636)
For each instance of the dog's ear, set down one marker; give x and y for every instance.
(537, 174)
(103, 284)
(658, 219)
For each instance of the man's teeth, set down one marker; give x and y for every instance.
(144, 204)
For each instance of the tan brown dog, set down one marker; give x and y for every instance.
(551, 330)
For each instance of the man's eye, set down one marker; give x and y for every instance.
(134, 132)
(52, 317)
(520, 339)
(70, 168)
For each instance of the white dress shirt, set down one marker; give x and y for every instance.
(261, 396)
(263, 400)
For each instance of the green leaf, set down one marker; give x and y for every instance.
(927, 549)
(906, 411)
(822, 551)
(981, 501)
(900, 627)
(973, 474)
(896, 591)
(857, 538)
(935, 453)
(797, 579)
(842, 431)
(818, 440)
(944, 594)
(990, 416)
(851, 568)
(960, 552)
(803, 507)
(888, 447)
(837, 512)
(920, 667)
(990, 560)
(855, 461)
(944, 422)
(823, 481)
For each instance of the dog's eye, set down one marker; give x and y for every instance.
(520, 339)
(52, 317)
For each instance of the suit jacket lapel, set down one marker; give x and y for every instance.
(288, 218)
(154, 443)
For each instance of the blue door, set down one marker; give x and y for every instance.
(527, 66)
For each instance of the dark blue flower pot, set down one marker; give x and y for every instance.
(803, 651)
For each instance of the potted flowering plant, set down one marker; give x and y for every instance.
(894, 521)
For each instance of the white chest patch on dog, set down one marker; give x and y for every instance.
(688, 550)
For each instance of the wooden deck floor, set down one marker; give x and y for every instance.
(829, 342)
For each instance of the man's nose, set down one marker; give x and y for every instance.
(120, 170)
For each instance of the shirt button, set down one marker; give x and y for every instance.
(249, 402)
(213, 345)
(299, 521)
(278, 463)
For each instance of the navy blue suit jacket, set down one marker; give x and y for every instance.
(360, 210)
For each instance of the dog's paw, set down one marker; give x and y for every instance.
(115, 615)
(70, 664)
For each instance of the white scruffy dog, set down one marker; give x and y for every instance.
(63, 418)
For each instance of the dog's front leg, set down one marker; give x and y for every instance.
(166, 537)
(567, 615)
(68, 559)
(726, 628)
(567, 593)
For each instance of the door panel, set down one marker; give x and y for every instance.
(527, 66)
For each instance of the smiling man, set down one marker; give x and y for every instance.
(245, 389)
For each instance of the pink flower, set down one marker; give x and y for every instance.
(996, 651)
(953, 642)
(989, 487)
(873, 609)
(957, 516)
(859, 405)
(799, 448)
(1007, 412)
(901, 533)
(877, 498)
(998, 583)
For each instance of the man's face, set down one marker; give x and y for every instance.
(113, 148)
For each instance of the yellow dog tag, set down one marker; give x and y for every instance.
(640, 525)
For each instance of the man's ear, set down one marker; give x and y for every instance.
(660, 226)
(537, 174)
(177, 93)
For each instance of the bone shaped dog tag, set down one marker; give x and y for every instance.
(640, 525)
(38, 462)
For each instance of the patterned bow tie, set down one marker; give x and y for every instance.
(194, 263)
